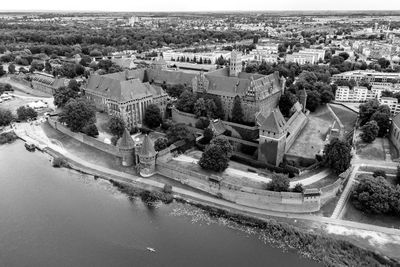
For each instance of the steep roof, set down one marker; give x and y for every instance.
(147, 149)
(396, 120)
(273, 123)
(118, 88)
(126, 141)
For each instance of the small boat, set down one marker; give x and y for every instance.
(30, 147)
(151, 249)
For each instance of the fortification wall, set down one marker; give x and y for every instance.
(251, 197)
(45, 88)
(90, 141)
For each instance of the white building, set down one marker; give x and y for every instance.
(302, 58)
(212, 56)
(370, 76)
(392, 103)
(357, 94)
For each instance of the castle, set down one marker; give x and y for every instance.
(127, 94)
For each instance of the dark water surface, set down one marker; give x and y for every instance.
(57, 217)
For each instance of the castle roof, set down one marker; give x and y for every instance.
(147, 149)
(120, 88)
(273, 123)
(126, 141)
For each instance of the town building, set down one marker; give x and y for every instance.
(370, 76)
(395, 131)
(302, 58)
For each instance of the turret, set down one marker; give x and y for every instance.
(147, 158)
(126, 147)
(235, 65)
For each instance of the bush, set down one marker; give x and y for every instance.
(26, 113)
(298, 188)
(6, 117)
(167, 189)
(202, 123)
(380, 173)
(279, 183)
(60, 162)
(214, 158)
(160, 144)
(8, 137)
(91, 130)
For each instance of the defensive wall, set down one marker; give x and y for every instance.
(246, 196)
(90, 141)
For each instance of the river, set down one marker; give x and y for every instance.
(58, 217)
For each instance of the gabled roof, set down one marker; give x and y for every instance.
(273, 123)
(147, 149)
(396, 120)
(126, 140)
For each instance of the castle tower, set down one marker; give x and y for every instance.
(126, 147)
(272, 140)
(235, 65)
(147, 158)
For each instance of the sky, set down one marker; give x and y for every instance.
(196, 5)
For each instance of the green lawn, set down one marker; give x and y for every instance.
(355, 215)
(345, 115)
(330, 179)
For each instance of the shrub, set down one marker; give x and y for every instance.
(26, 113)
(7, 137)
(298, 188)
(380, 173)
(160, 144)
(60, 162)
(167, 189)
(91, 130)
(6, 117)
(279, 183)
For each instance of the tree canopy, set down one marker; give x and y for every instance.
(77, 114)
(26, 113)
(116, 125)
(237, 114)
(337, 155)
(369, 131)
(6, 117)
(152, 116)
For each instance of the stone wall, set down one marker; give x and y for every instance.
(246, 196)
(45, 88)
(90, 141)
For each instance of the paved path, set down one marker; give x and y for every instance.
(338, 212)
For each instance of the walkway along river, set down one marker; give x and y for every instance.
(58, 217)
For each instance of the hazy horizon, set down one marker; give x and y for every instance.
(200, 6)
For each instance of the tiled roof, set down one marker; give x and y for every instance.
(147, 149)
(126, 141)
(273, 123)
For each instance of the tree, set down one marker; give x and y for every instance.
(326, 96)
(380, 173)
(224, 144)
(214, 159)
(63, 94)
(202, 123)
(47, 67)
(384, 63)
(186, 102)
(6, 117)
(211, 108)
(313, 100)
(200, 109)
(116, 125)
(337, 155)
(91, 130)
(152, 116)
(286, 103)
(372, 195)
(383, 121)
(208, 135)
(298, 188)
(366, 110)
(73, 85)
(78, 113)
(11, 68)
(161, 144)
(26, 113)
(237, 110)
(180, 131)
(279, 183)
(369, 131)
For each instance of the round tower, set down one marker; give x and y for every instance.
(126, 147)
(147, 158)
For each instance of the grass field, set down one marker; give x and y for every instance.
(355, 215)
(311, 139)
(373, 151)
(345, 115)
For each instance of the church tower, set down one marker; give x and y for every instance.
(235, 65)
(147, 158)
(272, 141)
(126, 147)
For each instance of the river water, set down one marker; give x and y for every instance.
(58, 217)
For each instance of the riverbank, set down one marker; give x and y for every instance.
(314, 244)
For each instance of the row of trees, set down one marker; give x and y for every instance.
(373, 112)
